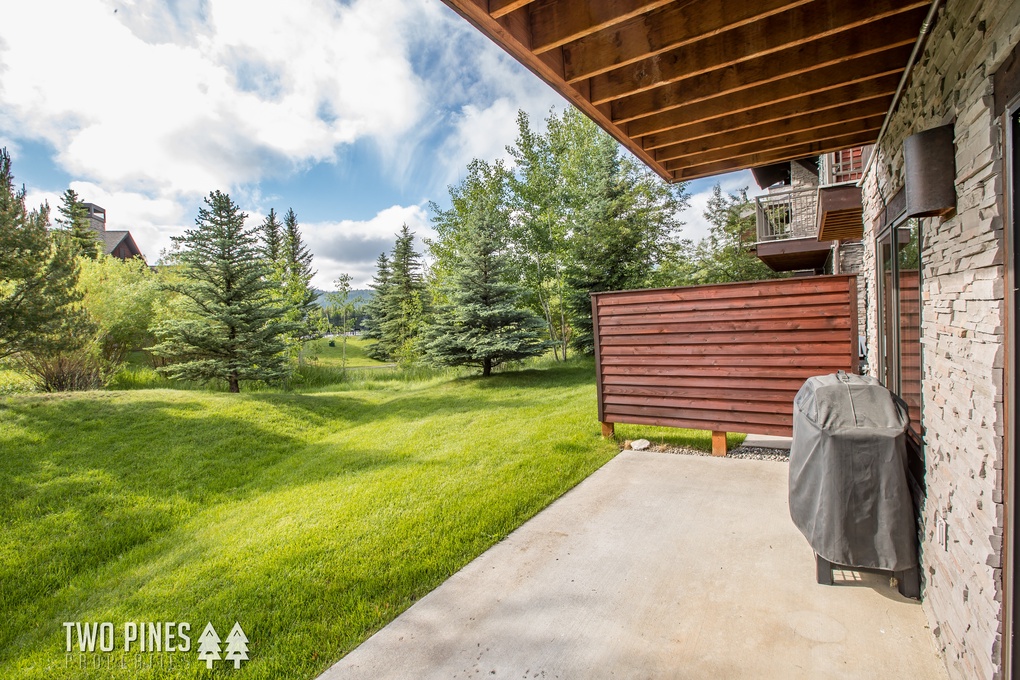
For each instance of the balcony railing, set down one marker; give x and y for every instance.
(790, 214)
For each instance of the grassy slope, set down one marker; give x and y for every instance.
(313, 519)
(325, 355)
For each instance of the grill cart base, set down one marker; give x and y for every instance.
(908, 581)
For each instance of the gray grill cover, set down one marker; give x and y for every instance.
(849, 493)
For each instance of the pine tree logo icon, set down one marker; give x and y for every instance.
(237, 645)
(209, 646)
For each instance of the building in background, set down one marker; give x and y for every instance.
(117, 244)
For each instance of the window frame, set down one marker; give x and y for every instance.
(889, 365)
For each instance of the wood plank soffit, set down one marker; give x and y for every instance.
(700, 87)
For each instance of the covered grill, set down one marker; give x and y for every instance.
(849, 491)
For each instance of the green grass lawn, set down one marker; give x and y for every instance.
(312, 519)
(324, 355)
(675, 436)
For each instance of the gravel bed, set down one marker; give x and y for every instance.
(759, 453)
(749, 452)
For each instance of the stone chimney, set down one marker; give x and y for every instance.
(97, 217)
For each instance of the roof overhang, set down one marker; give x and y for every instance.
(700, 87)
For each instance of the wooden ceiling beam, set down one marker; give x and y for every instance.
(798, 61)
(768, 156)
(818, 120)
(661, 30)
(870, 94)
(717, 114)
(745, 141)
(558, 22)
(868, 76)
(821, 20)
(861, 136)
(513, 37)
(500, 8)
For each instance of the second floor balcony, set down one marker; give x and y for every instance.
(787, 214)
(788, 230)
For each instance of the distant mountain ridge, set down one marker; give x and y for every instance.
(359, 296)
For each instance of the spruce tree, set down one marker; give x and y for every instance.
(404, 302)
(233, 331)
(375, 312)
(272, 241)
(485, 323)
(74, 219)
(38, 276)
(298, 293)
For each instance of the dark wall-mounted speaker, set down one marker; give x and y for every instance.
(930, 184)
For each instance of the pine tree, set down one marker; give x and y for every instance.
(38, 276)
(298, 293)
(209, 646)
(234, 331)
(375, 311)
(485, 323)
(237, 645)
(74, 219)
(404, 302)
(272, 241)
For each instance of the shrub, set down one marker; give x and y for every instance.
(66, 371)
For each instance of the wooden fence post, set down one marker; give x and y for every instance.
(718, 443)
(608, 430)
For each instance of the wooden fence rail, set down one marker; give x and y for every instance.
(727, 357)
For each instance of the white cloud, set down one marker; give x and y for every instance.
(351, 246)
(7, 143)
(249, 89)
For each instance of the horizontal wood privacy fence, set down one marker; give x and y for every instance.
(726, 358)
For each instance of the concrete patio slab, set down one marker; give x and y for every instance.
(656, 566)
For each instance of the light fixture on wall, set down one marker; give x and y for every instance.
(930, 185)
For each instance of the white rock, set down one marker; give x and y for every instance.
(640, 444)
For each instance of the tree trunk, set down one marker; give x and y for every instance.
(343, 350)
(563, 318)
(549, 320)
(235, 385)
(486, 367)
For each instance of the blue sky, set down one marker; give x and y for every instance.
(354, 113)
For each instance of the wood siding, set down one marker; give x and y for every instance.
(727, 357)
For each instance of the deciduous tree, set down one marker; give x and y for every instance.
(725, 254)
(624, 221)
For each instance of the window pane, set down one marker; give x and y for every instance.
(909, 352)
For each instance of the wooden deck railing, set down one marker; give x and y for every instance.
(727, 357)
